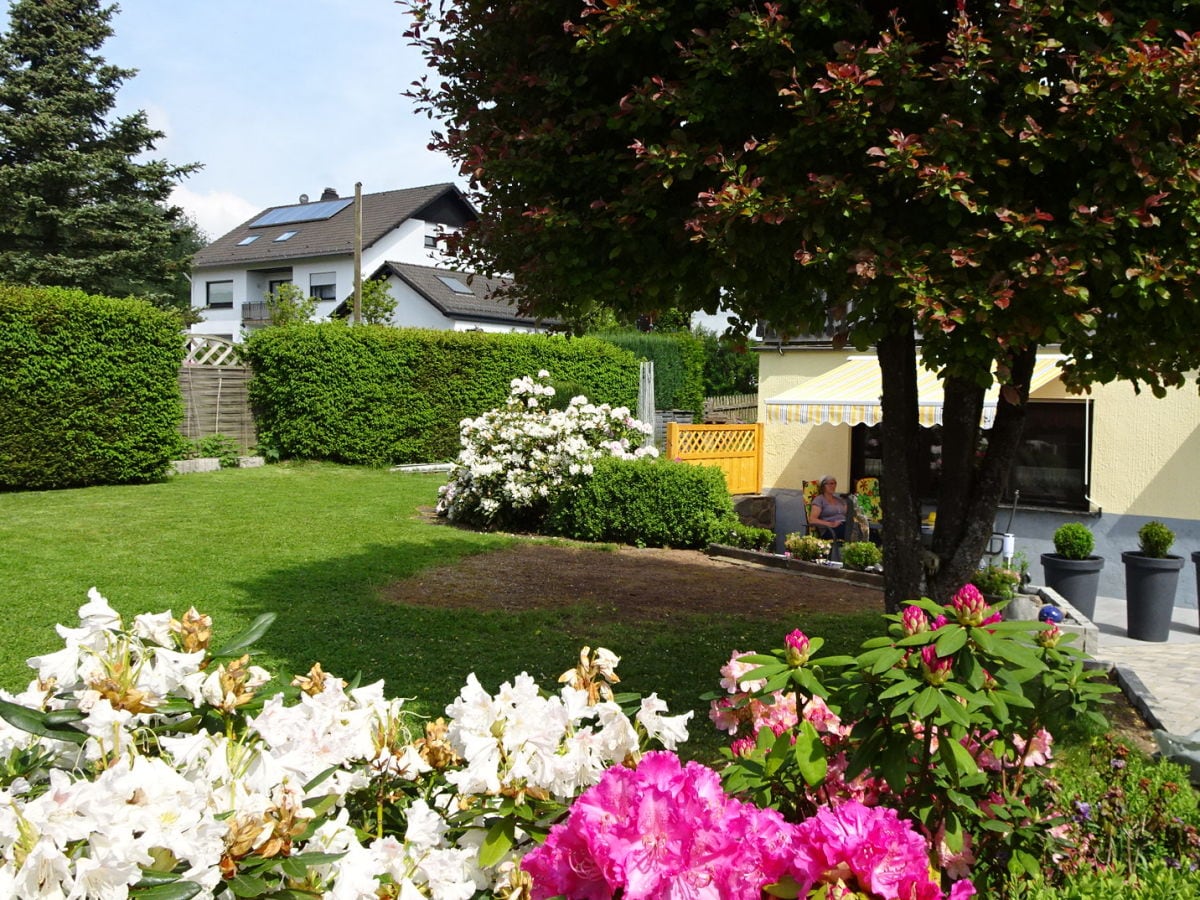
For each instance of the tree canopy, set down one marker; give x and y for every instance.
(84, 208)
(963, 183)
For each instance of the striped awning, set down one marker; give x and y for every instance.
(850, 395)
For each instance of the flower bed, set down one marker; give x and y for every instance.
(143, 762)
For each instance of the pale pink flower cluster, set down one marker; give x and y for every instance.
(741, 710)
(667, 830)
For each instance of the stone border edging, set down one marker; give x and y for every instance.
(866, 579)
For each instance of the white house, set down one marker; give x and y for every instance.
(311, 245)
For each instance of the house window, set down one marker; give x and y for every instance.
(286, 236)
(431, 235)
(219, 294)
(454, 284)
(274, 285)
(248, 240)
(323, 285)
(1051, 466)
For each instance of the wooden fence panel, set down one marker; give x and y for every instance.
(215, 402)
(735, 449)
(731, 408)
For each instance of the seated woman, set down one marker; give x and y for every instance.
(828, 511)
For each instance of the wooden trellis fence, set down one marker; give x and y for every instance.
(735, 449)
(214, 385)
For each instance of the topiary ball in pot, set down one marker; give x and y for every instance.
(1155, 539)
(1074, 540)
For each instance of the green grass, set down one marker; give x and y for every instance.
(315, 543)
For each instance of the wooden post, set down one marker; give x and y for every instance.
(357, 320)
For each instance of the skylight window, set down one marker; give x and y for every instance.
(454, 284)
(248, 240)
(286, 236)
(303, 212)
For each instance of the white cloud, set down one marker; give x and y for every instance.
(215, 212)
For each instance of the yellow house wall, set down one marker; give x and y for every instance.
(1146, 452)
(795, 453)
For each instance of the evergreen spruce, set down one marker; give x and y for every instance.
(83, 206)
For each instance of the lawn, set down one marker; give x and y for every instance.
(315, 543)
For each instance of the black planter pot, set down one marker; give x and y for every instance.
(1077, 580)
(1150, 584)
(1196, 560)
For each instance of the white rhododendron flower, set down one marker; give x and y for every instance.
(160, 759)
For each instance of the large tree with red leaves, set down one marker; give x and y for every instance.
(967, 182)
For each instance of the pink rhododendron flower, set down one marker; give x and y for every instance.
(661, 830)
(1036, 752)
(935, 668)
(956, 864)
(969, 606)
(732, 672)
(866, 849)
(796, 646)
(1050, 637)
(914, 620)
(824, 719)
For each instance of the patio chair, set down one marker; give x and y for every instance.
(870, 503)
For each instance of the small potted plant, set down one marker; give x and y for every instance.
(1071, 570)
(861, 555)
(996, 582)
(1151, 579)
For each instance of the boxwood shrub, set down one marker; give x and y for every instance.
(650, 503)
(377, 395)
(89, 389)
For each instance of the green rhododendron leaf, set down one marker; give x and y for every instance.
(953, 711)
(498, 841)
(951, 639)
(176, 890)
(926, 702)
(239, 644)
(247, 886)
(809, 754)
(34, 721)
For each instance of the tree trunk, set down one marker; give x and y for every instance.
(903, 573)
(971, 484)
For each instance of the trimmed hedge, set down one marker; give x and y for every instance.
(89, 389)
(376, 395)
(678, 358)
(654, 503)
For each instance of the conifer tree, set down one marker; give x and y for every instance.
(83, 205)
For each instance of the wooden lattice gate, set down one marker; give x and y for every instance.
(735, 449)
(214, 385)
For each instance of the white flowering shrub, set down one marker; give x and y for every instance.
(514, 459)
(142, 763)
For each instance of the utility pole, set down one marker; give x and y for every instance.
(357, 253)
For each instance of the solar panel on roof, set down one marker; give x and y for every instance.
(303, 212)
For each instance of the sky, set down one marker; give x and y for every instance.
(275, 98)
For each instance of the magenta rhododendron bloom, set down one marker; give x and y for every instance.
(935, 668)
(914, 620)
(661, 830)
(969, 606)
(796, 645)
(866, 849)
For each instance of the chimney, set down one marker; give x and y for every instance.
(329, 194)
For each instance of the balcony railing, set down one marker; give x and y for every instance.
(255, 312)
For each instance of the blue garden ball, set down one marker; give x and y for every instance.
(1050, 613)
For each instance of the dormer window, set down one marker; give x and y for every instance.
(454, 284)
(286, 236)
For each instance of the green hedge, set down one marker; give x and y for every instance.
(654, 503)
(376, 395)
(89, 389)
(678, 358)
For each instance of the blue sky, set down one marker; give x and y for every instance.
(276, 98)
